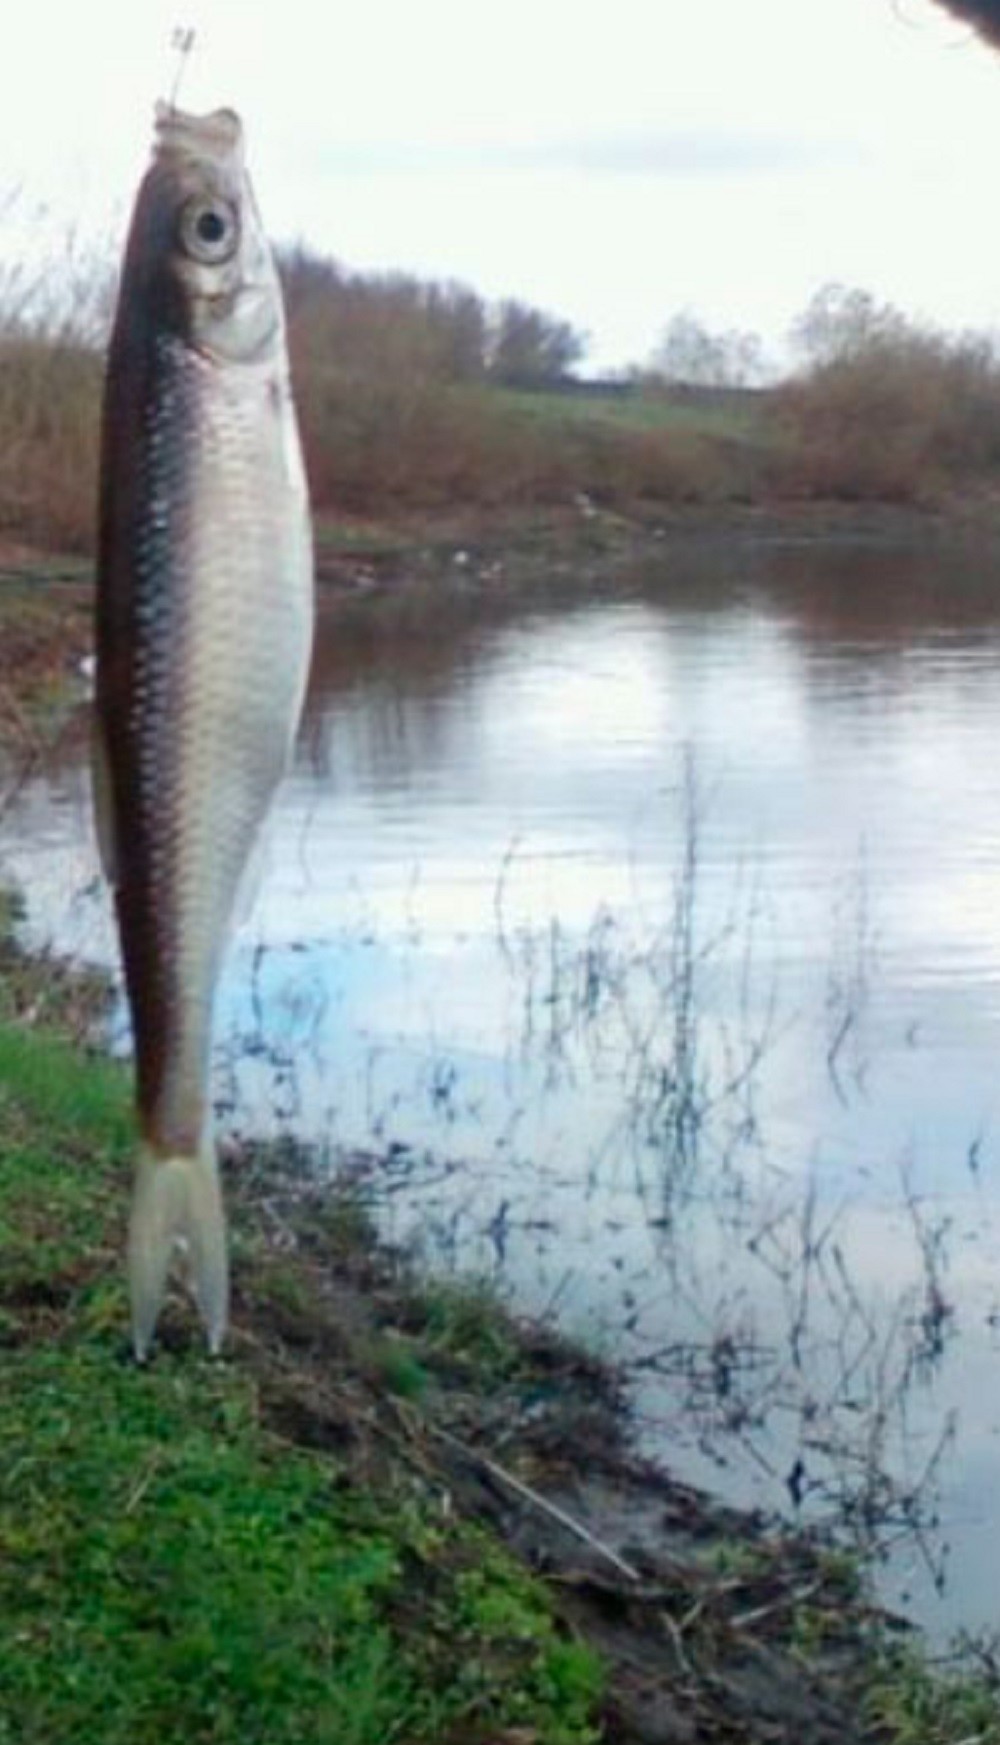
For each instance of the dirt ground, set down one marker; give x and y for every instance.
(715, 1624)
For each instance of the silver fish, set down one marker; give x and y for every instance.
(204, 630)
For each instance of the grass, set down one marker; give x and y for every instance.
(461, 1325)
(173, 1573)
(171, 1568)
(912, 1705)
(634, 410)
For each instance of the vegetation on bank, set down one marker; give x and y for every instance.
(888, 409)
(418, 396)
(174, 1562)
(397, 415)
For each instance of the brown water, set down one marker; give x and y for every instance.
(652, 942)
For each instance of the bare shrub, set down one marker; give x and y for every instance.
(49, 413)
(54, 314)
(886, 409)
(690, 354)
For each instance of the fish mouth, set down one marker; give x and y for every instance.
(217, 137)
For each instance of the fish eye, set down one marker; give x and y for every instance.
(209, 231)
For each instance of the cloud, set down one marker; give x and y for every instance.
(697, 153)
(675, 154)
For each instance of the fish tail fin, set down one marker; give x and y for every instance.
(177, 1204)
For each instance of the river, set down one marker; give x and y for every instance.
(647, 942)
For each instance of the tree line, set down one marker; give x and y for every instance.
(444, 330)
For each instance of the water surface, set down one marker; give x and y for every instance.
(650, 940)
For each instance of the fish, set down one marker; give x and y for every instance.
(204, 625)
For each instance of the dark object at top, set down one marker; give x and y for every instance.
(984, 14)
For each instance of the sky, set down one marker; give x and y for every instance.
(612, 164)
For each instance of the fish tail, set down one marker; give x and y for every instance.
(177, 1204)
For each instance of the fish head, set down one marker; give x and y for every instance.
(197, 245)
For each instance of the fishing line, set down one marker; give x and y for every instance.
(182, 43)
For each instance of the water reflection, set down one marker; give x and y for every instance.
(649, 941)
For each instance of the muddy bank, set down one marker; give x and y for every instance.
(46, 599)
(713, 1623)
(568, 548)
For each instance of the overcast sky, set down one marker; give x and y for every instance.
(613, 163)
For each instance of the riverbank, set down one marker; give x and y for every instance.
(394, 1512)
(341, 1354)
(565, 548)
(46, 599)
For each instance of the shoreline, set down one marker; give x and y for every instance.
(46, 598)
(706, 1621)
(505, 549)
(711, 1622)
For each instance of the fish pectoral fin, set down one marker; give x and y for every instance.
(104, 818)
(177, 1204)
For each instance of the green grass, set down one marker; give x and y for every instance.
(168, 1572)
(637, 411)
(172, 1570)
(461, 1323)
(360, 539)
(913, 1705)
